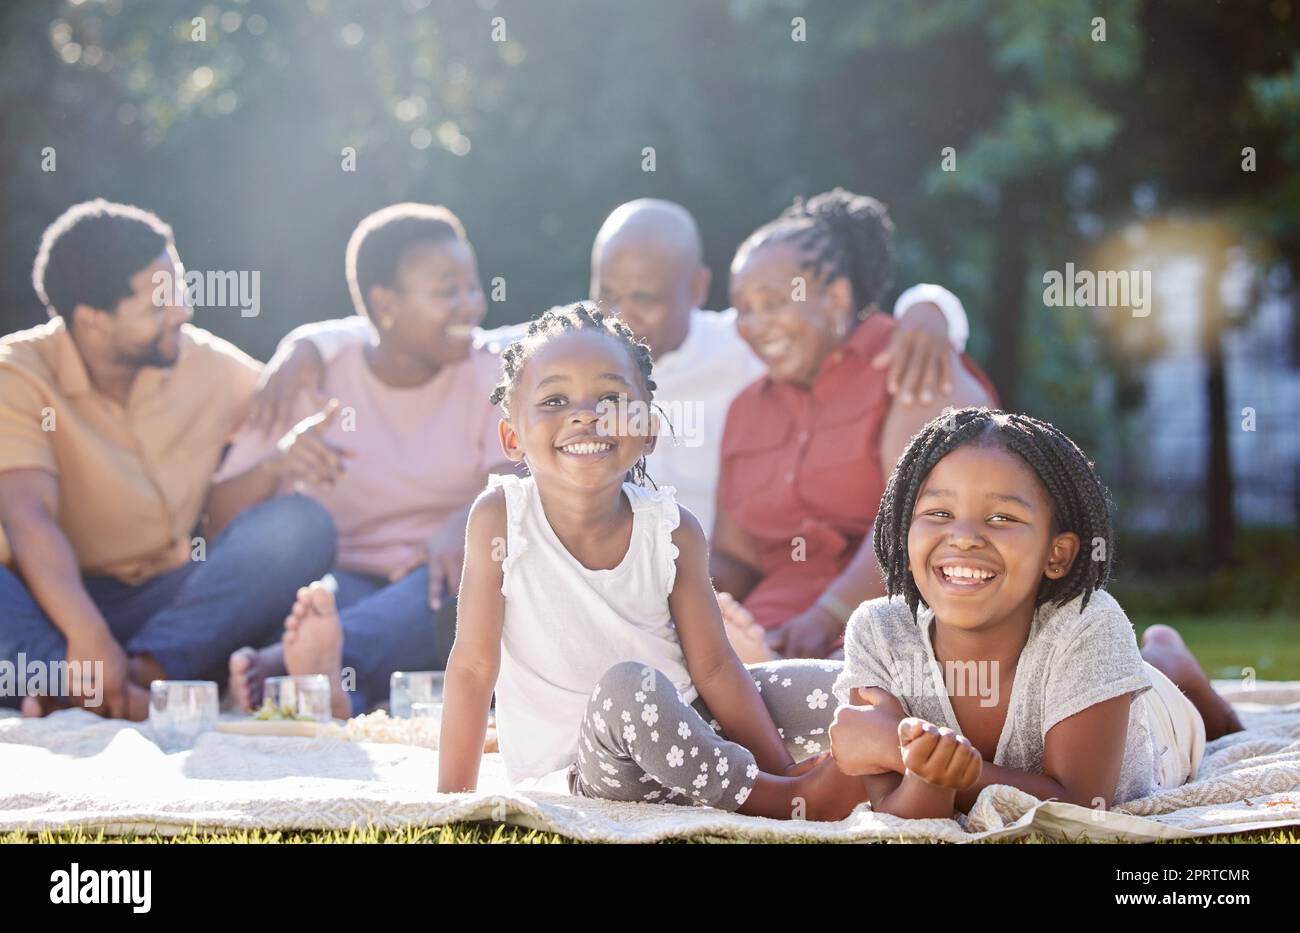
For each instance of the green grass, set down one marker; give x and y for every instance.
(483, 833)
(1224, 644)
(475, 833)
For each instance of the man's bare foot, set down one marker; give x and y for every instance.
(35, 707)
(1164, 649)
(143, 670)
(313, 643)
(748, 638)
(249, 668)
(137, 703)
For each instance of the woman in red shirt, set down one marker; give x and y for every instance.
(807, 448)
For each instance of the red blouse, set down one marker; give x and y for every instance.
(801, 471)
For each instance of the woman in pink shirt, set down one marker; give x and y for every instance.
(397, 454)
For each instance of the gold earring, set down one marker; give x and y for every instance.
(386, 322)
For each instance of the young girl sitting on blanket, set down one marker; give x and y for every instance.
(586, 602)
(1004, 662)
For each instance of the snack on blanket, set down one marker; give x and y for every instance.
(269, 713)
(380, 727)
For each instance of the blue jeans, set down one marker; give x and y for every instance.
(190, 619)
(389, 627)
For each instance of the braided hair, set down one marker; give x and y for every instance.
(1080, 503)
(843, 235)
(578, 316)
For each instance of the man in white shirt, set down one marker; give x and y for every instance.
(647, 267)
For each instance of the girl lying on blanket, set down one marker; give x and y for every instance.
(1004, 662)
(589, 595)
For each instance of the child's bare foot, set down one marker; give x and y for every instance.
(249, 668)
(748, 638)
(1164, 649)
(313, 642)
(813, 790)
(831, 794)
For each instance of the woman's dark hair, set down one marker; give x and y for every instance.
(844, 235)
(381, 241)
(555, 321)
(88, 255)
(1080, 503)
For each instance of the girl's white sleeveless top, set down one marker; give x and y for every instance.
(565, 625)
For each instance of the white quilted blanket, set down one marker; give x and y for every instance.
(74, 769)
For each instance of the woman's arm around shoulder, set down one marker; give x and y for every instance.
(903, 421)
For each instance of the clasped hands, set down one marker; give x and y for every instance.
(878, 737)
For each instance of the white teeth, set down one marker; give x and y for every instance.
(969, 573)
(585, 448)
(459, 330)
(775, 348)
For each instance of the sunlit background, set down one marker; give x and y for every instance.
(1170, 144)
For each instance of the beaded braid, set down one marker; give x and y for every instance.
(1080, 502)
(844, 235)
(575, 317)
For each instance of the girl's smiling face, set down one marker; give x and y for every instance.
(564, 411)
(981, 538)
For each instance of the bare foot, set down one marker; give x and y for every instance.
(815, 789)
(249, 668)
(1164, 649)
(144, 669)
(34, 707)
(137, 703)
(831, 794)
(748, 638)
(313, 643)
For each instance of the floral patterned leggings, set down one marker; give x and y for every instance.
(639, 740)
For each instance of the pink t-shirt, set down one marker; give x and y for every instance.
(421, 455)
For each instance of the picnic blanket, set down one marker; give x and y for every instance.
(74, 769)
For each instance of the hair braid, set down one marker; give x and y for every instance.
(843, 235)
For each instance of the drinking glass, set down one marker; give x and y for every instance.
(305, 696)
(408, 687)
(179, 710)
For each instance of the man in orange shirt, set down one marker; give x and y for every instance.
(114, 415)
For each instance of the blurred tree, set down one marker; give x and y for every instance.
(532, 121)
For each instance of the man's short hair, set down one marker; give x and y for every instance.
(380, 243)
(88, 255)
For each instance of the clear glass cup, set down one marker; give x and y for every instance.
(427, 710)
(180, 710)
(305, 696)
(408, 687)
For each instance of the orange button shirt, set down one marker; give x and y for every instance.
(801, 471)
(132, 478)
